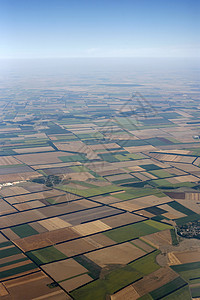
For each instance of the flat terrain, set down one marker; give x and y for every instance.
(99, 182)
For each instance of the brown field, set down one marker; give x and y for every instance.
(21, 217)
(119, 177)
(76, 186)
(197, 162)
(151, 176)
(46, 239)
(122, 219)
(186, 167)
(135, 149)
(75, 247)
(11, 258)
(124, 136)
(39, 228)
(11, 191)
(146, 133)
(3, 291)
(185, 257)
(10, 234)
(10, 129)
(192, 196)
(174, 151)
(2, 238)
(105, 200)
(172, 259)
(139, 243)
(19, 177)
(136, 169)
(171, 212)
(99, 240)
(35, 149)
(173, 157)
(140, 203)
(173, 180)
(42, 158)
(64, 269)
(158, 239)
(192, 204)
(91, 227)
(74, 218)
(123, 254)
(128, 293)
(77, 146)
(34, 187)
(141, 176)
(67, 197)
(154, 280)
(132, 163)
(145, 213)
(21, 274)
(15, 265)
(118, 151)
(187, 178)
(176, 171)
(29, 205)
(54, 223)
(102, 167)
(112, 172)
(33, 286)
(34, 196)
(104, 146)
(183, 113)
(83, 245)
(8, 160)
(83, 176)
(5, 208)
(56, 165)
(76, 282)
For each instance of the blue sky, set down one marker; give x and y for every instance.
(99, 28)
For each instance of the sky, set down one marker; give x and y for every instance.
(99, 28)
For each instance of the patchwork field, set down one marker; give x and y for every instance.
(99, 185)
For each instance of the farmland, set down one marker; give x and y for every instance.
(95, 185)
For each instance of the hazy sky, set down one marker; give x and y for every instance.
(99, 28)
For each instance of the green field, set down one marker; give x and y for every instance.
(181, 208)
(161, 173)
(132, 156)
(191, 218)
(168, 288)
(74, 158)
(5, 244)
(9, 252)
(90, 192)
(117, 279)
(146, 297)
(24, 230)
(46, 255)
(186, 267)
(136, 230)
(132, 193)
(10, 263)
(195, 291)
(190, 272)
(174, 237)
(128, 180)
(180, 294)
(18, 270)
(164, 183)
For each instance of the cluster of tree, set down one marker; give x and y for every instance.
(189, 230)
(49, 180)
